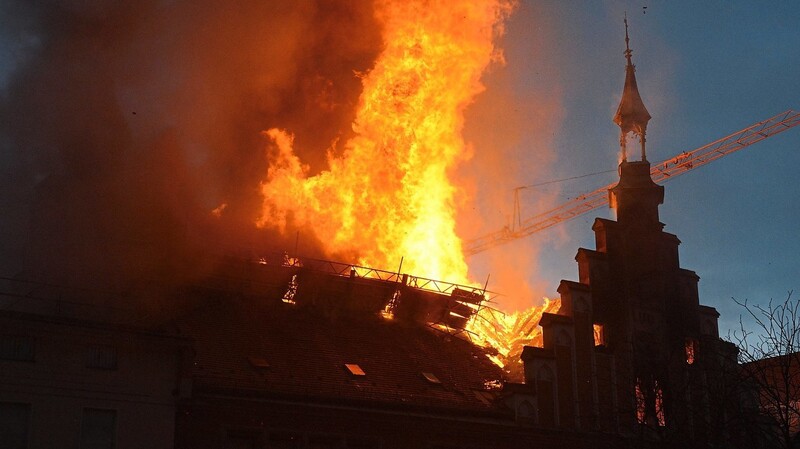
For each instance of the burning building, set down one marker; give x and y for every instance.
(312, 353)
(287, 352)
(630, 357)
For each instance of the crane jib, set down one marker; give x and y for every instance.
(660, 172)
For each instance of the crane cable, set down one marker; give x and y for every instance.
(555, 181)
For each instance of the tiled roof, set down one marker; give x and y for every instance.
(302, 352)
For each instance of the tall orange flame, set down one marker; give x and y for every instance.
(389, 195)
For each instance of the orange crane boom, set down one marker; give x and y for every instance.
(660, 172)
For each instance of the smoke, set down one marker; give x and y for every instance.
(512, 129)
(124, 124)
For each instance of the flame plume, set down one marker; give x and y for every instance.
(389, 194)
(509, 333)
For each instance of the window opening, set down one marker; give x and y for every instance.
(599, 335)
(19, 348)
(98, 428)
(14, 422)
(641, 404)
(691, 351)
(102, 357)
(659, 396)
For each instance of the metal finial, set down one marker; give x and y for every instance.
(627, 39)
(631, 114)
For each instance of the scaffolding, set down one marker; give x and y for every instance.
(353, 288)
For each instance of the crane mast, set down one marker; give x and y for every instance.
(660, 172)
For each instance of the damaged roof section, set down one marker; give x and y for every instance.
(342, 288)
(318, 357)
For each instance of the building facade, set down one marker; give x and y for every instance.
(74, 383)
(306, 354)
(632, 351)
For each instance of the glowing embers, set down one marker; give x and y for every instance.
(354, 370)
(691, 350)
(493, 384)
(388, 312)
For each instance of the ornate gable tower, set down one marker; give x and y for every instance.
(646, 303)
(631, 350)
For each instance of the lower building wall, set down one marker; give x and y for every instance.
(229, 423)
(71, 385)
(57, 421)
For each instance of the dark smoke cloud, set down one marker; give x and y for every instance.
(123, 124)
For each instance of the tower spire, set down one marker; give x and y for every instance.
(631, 114)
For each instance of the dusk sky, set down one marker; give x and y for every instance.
(705, 70)
(207, 79)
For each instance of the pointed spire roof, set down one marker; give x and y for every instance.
(632, 115)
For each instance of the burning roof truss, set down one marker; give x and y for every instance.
(349, 288)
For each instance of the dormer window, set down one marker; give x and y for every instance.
(354, 369)
(430, 377)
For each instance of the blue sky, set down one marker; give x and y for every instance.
(705, 70)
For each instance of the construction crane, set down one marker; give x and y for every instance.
(660, 173)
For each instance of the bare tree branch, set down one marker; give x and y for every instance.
(771, 366)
